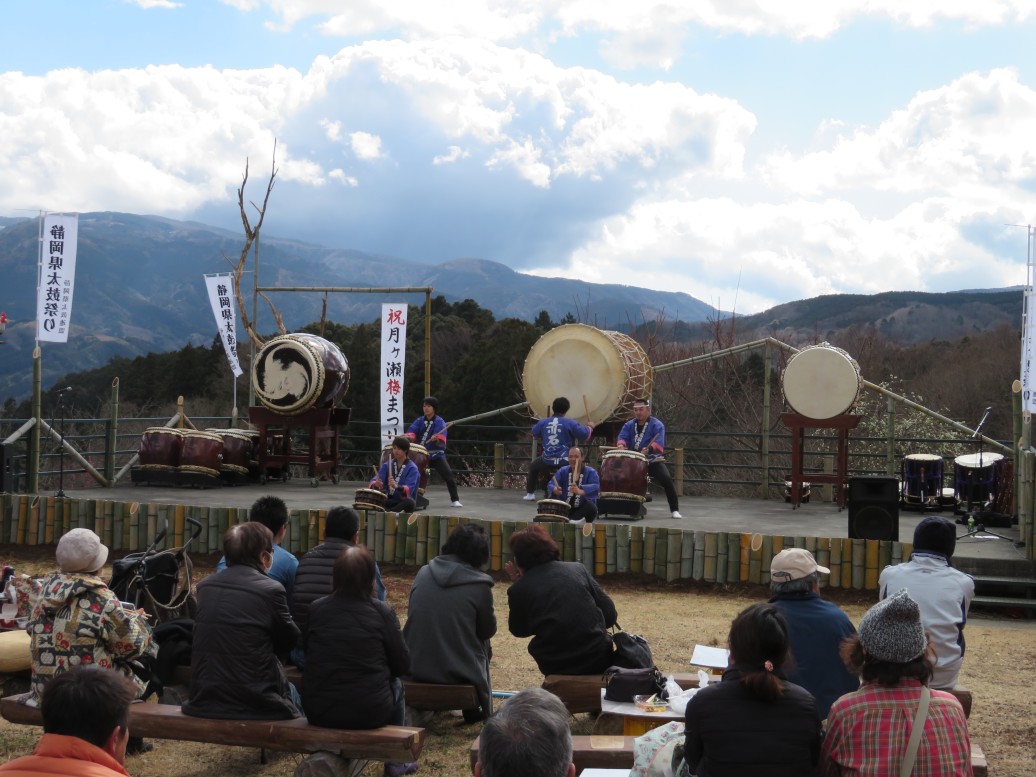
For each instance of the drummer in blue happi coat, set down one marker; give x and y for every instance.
(429, 430)
(578, 484)
(399, 478)
(646, 434)
(558, 434)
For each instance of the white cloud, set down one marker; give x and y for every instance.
(149, 4)
(452, 155)
(340, 175)
(365, 145)
(333, 129)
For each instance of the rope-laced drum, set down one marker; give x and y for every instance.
(609, 369)
(298, 372)
(821, 382)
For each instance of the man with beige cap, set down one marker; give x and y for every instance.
(817, 627)
(78, 621)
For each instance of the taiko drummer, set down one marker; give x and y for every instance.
(558, 434)
(646, 434)
(579, 485)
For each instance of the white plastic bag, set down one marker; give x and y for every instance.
(678, 697)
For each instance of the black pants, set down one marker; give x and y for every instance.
(441, 466)
(538, 466)
(660, 474)
(586, 509)
(400, 504)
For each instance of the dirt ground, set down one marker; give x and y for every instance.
(1000, 669)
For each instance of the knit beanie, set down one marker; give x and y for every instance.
(892, 631)
(935, 534)
(80, 550)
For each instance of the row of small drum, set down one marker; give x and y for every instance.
(228, 453)
(979, 479)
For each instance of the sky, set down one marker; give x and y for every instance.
(746, 152)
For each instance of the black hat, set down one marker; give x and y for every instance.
(935, 534)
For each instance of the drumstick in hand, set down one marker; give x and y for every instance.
(586, 409)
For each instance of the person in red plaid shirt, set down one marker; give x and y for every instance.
(868, 729)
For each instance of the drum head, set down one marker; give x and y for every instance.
(821, 382)
(296, 372)
(971, 460)
(922, 457)
(609, 369)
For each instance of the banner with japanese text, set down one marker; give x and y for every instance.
(221, 289)
(57, 277)
(1029, 353)
(393, 363)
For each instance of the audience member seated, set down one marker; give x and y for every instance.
(242, 626)
(272, 513)
(754, 722)
(450, 619)
(355, 654)
(78, 620)
(529, 735)
(816, 628)
(559, 605)
(868, 730)
(85, 732)
(942, 593)
(313, 576)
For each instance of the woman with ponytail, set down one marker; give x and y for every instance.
(754, 722)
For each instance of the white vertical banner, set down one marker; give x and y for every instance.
(393, 364)
(220, 289)
(57, 277)
(1029, 353)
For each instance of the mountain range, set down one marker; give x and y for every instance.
(139, 289)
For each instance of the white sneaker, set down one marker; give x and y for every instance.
(676, 514)
(455, 503)
(577, 521)
(529, 497)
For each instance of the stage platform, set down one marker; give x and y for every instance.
(981, 554)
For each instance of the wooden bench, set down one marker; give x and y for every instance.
(616, 752)
(166, 721)
(432, 696)
(582, 692)
(964, 697)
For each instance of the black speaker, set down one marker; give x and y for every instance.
(874, 508)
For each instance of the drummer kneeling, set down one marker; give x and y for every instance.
(579, 485)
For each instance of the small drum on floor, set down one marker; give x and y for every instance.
(370, 499)
(240, 450)
(921, 478)
(624, 475)
(160, 449)
(978, 477)
(551, 510)
(417, 454)
(202, 453)
(821, 382)
(805, 491)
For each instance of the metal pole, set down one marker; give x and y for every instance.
(890, 437)
(37, 414)
(113, 433)
(764, 438)
(428, 343)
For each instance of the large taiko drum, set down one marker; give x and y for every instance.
(551, 511)
(417, 454)
(978, 477)
(240, 450)
(608, 369)
(298, 372)
(202, 453)
(624, 475)
(922, 475)
(160, 449)
(370, 499)
(821, 382)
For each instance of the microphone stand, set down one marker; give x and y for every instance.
(976, 527)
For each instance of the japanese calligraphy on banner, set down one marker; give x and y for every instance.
(1029, 353)
(393, 363)
(220, 288)
(57, 277)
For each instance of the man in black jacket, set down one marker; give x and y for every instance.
(313, 576)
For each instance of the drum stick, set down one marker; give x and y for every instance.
(586, 409)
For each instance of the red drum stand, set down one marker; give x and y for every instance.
(798, 424)
(277, 451)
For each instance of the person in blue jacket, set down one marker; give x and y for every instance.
(398, 478)
(646, 434)
(429, 430)
(558, 434)
(580, 493)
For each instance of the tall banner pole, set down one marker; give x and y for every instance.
(393, 367)
(220, 287)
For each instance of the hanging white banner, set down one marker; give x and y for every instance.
(393, 364)
(57, 277)
(220, 298)
(1029, 353)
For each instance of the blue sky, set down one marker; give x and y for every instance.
(746, 153)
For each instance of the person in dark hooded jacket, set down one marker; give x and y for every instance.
(451, 618)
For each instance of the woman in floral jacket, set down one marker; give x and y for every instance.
(77, 620)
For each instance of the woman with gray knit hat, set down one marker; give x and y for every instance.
(869, 731)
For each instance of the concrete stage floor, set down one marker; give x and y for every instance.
(768, 517)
